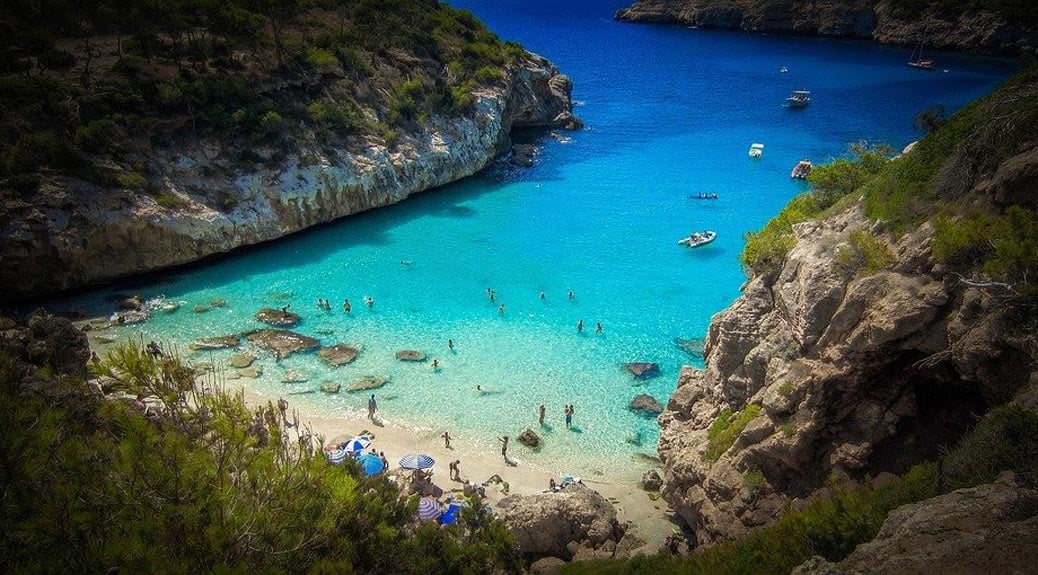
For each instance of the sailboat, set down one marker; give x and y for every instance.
(798, 98)
(917, 60)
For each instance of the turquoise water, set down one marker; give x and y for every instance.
(670, 112)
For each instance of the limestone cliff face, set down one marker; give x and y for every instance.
(850, 374)
(983, 31)
(74, 233)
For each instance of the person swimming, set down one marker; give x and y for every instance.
(450, 344)
(369, 301)
(580, 325)
(501, 309)
(436, 364)
(542, 295)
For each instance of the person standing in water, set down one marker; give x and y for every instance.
(580, 325)
(540, 415)
(568, 410)
(450, 344)
(346, 307)
(501, 309)
(372, 407)
(542, 295)
(436, 364)
(570, 294)
(598, 327)
(504, 446)
(369, 300)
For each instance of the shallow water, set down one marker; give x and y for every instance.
(670, 112)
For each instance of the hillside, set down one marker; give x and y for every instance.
(138, 138)
(998, 27)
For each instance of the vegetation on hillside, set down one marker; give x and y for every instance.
(1006, 439)
(1019, 12)
(934, 182)
(88, 87)
(202, 483)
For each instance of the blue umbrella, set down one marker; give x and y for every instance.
(429, 509)
(416, 461)
(355, 445)
(370, 464)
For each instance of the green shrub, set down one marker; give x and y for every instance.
(765, 251)
(39, 149)
(97, 136)
(1006, 439)
(726, 429)
(867, 254)
(489, 75)
(323, 60)
(56, 60)
(137, 182)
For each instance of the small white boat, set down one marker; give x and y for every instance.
(783, 70)
(756, 150)
(801, 170)
(798, 99)
(696, 239)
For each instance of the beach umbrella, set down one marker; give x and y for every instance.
(336, 456)
(370, 464)
(416, 461)
(355, 445)
(429, 509)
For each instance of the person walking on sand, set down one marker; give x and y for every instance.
(372, 407)
(540, 415)
(283, 408)
(580, 325)
(455, 473)
(446, 439)
(346, 307)
(504, 446)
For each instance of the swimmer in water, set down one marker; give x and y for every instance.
(580, 325)
(542, 295)
(450, 344)
(346, 307)
(369, 300)
(501, 309)
(570, 294)
(598, 327)
(436, 364)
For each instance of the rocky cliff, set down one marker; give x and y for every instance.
(971, 27)
(825, 372)
(72, 233)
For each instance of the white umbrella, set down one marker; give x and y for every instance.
(355, 445)
(429, 509)
(416, 461)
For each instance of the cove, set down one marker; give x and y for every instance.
(670, 112)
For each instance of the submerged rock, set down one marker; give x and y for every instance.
(276, 317)
(241, 360)
(220, 342)
(282, 343)
(252, 372)
(646, 404)
(529, 438)
(693, 346)
(200, 308)
(293, 376)
(643, 369)
(370, 382)
(331, 387)
(523, 155)
(410, 355)
(338, 354)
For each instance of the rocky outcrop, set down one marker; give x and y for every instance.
(645, 404)
(991, 528)
(281, 342)
(574, 523)
(71, 233)
(529, 438)
(985, 31)
(338, 354)
(825, 369)
(277, 317)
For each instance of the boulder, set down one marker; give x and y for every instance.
(241, 360)
(410, 355)
(56, 343)
(282, 343)
(131, 303)
(331, 387)
(293, 376)
(523, 155)
(547, 523)
(338, 354)
(991, 528)
(221, 342)
(547, 566)
(370, 382)
(529, 438)
(646, 404)
(252, 372)
(277, 317)
(651, 480)
(643, 369)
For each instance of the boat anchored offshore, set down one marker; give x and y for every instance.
(696, 239)
(917, 60)
(801, 170)
(798, 99)
(756, 150)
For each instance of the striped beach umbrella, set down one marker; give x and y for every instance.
(416, 461)
(429, 509)
(336, 456)
(355, 445)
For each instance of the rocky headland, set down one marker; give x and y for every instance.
(829, 369)
(997, 28)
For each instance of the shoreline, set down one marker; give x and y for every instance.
(651, 518)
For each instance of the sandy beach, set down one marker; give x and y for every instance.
(477, 464)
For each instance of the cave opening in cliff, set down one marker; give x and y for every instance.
(946, 408)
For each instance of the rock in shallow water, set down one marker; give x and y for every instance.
(241, 360)
(371, 382)
(410, 355)
(282, 343)
(646, 404)
(338, 354)
(221, 342)
(529, 438)
(276, 317)
(331, 387)
(641, 369)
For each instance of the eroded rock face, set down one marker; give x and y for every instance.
(977, 31)
(991, 528)
(842, 372)
(73, 233)
(559, 524)
(281, 342)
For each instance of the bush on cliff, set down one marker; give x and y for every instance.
(204, 484)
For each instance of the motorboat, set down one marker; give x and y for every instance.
(783, 70)
(801, 170)
(703, 196)
(756, 150)
(798, 99)
(696, 239)
(917, 60)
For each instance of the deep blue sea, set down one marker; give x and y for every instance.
(670, 111)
